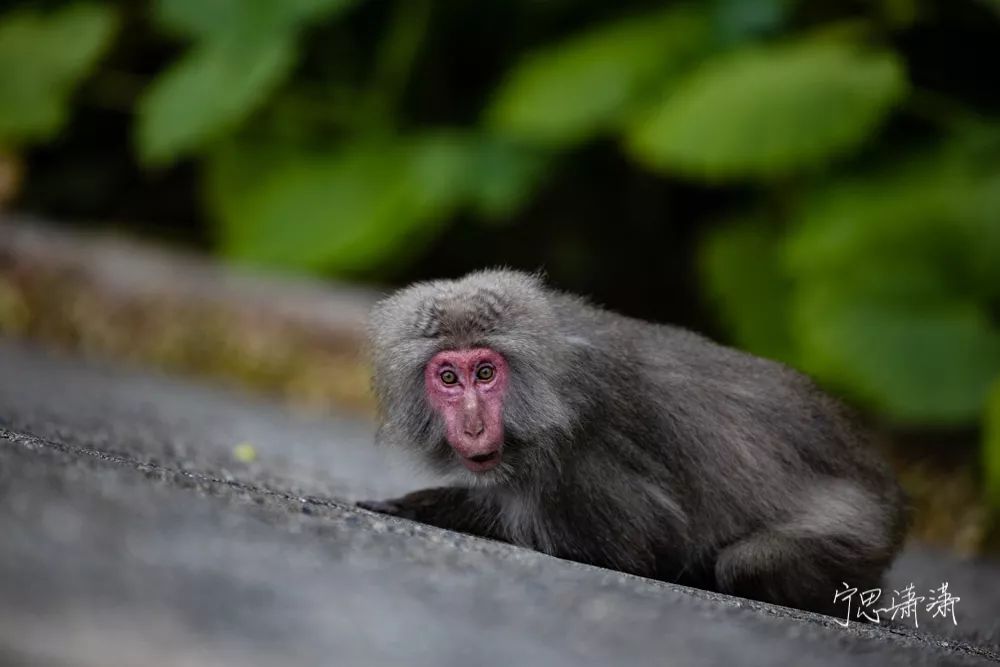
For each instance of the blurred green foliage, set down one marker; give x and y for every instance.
(41, 58)
(241, 52)
(769, 110)
(860, 240)
(568, 92)
(991, 450)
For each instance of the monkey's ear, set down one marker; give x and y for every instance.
(426, 321)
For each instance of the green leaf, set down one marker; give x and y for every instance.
(212, 19)
(865, 222)
(204, 18)
(894, 280)
(769, 111)
(492, 176)
(934, 212)
(209, 92)
(895, 275)
(245, 49)
(991, 447)
(744, 280)
(569, 92)
(504, 175)
(346, 211)
(438, 167)
(742, 20)
(42, 59)
(913, 362)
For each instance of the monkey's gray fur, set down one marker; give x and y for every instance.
(639, 447)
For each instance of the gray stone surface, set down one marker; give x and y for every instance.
(129, 534)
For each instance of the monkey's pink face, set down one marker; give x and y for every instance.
(466, 387)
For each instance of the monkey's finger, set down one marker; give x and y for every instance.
(381, 506)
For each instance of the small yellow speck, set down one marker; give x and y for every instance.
(245, 453)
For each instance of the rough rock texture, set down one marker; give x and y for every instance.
(131, 534)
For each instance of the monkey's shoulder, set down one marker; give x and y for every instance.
(664, 366)
(678, 353)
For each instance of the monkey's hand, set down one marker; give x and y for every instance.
(418, 506)
(453, 508)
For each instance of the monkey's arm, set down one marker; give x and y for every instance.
(450, 507)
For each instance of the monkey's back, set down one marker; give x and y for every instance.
(748, 439)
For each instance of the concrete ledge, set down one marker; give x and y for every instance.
(108, 296)
(134, 535)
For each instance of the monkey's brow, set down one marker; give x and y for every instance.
(481, 310)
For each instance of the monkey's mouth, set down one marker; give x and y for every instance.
(482, 462)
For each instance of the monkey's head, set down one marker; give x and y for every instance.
(467, 373)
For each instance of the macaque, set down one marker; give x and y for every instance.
(645, 448)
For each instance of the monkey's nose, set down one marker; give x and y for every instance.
(475, 429)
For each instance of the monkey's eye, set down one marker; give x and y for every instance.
(448, 377)
(485, 373)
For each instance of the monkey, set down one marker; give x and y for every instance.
(563, 427)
